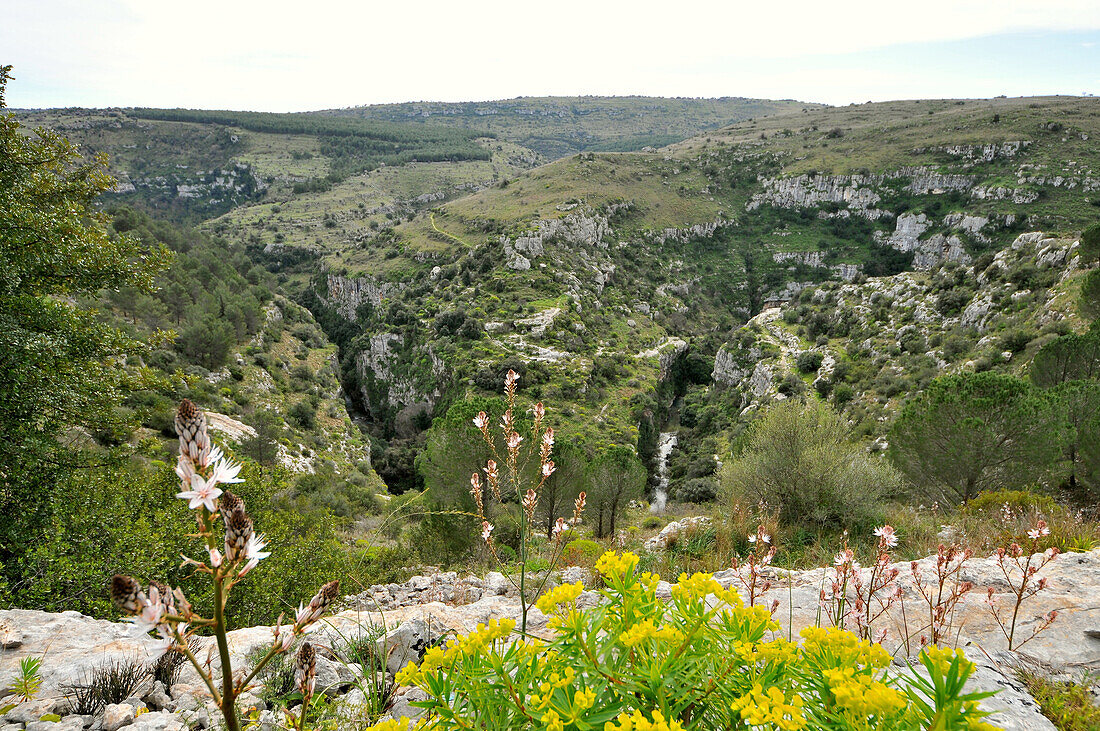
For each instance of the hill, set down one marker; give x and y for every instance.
(560, 126)
(614, 281)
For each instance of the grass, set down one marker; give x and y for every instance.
(1068, 705)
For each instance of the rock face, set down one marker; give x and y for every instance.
(672, 532)
(347, 294)
(927, 253)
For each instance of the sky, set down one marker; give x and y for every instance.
(297, 56)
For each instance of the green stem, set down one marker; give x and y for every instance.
(229, 699)
(523, 570)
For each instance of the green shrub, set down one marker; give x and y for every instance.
(802, 460)
(809, 361)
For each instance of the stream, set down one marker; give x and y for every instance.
(665, 444)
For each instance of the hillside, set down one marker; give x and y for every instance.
(560, 126)
(593, 271)
(617, 283)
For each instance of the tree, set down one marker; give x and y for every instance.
(802, 460)
(562, 487)
(973, 432)
(59, 362)
(1067, 358)
(208, 342)
(1079, 404)
(1090, 244)
(614, 478)
(1089, 303)
(263, 446)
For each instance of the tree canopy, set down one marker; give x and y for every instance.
(976, 431)
(59, 363)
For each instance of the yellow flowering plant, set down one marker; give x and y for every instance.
(700, 660)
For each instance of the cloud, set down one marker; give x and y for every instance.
(281, 55)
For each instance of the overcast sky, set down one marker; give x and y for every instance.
(301, 55)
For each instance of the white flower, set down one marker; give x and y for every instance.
(185, 469)
(486, 530)
(254, 551)
(225, 472)
(540, 410)
(752, 538)
(766, 538)
(215, 557)
(548, 469)
(548, 438)
(559, 527)
(511, 378)
(887, 535)
(481, 420)
(514, 440)
(201, 494)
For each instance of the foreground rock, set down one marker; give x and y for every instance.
(425, 609)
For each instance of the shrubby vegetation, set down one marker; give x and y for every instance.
(802, 460)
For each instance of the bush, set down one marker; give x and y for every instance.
(637, 662)
(697, 490)
(802, 460)
(581, 552)
(809, 361)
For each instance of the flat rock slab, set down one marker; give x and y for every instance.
(70, 644)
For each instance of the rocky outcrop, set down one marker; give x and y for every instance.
(426, 608)
(927, 252)
(674, 530)
(346, 294)
(383, 363)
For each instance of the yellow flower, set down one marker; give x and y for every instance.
(638, 633)
(611, 564)
(942, 657)
(832, 647)
(861, 696)
(637, 722)
(697, 586)
(584, 699)
(552, 721)
(398, 724)
(566, 593)
(760, 708)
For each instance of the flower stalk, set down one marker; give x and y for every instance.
(201, 468)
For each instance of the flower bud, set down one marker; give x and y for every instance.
(191, 428)
(318, 604)
(305, 664)
(126, 593)
(238, 531)
(229, 503)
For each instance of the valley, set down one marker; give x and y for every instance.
(736, 336)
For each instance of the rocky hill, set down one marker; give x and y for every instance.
(617, 282)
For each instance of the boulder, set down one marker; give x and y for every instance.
(158, 721)
(117, 715)
(30, 711)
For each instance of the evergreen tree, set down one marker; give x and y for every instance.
(976, 431)
(614, 478)
(1068, 358)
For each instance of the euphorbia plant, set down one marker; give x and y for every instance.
(202, 468)
(699, 661)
